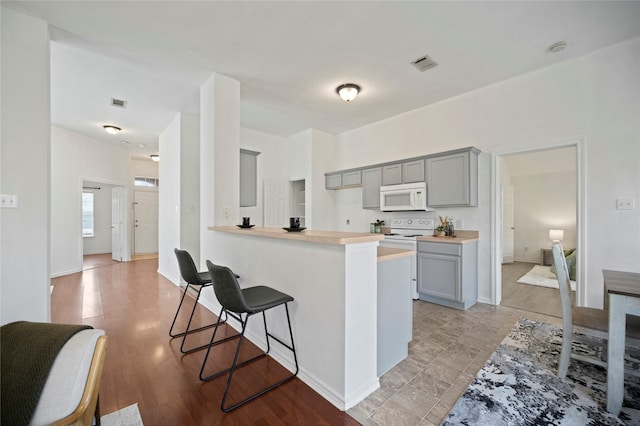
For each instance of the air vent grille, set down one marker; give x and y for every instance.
(118, 103)
(424, 63)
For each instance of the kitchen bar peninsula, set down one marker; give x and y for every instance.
(333, 278)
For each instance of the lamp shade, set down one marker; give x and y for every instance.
(556, 235)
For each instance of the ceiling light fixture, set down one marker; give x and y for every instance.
(557, 47)
(112, 130)
(155, 157)
(348, 92)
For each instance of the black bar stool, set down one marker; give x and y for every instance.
(198, 281)
(249, 301)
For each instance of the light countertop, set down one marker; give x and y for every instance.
(389, 253)
(461, 237)
(309, 235)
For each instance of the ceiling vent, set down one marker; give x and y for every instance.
(424, 63)
(118, 103)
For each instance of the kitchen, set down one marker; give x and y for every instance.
(332, 275)
(567, 100)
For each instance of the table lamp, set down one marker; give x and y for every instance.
(556, 235)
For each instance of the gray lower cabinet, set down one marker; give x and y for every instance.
(452, 180)
(371, 181)
(448, 273)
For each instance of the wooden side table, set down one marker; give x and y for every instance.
(546, 257)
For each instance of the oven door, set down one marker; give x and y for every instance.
(406, 244)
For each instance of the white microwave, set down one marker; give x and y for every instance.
(407, 197)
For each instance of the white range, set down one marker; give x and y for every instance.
(403, 235)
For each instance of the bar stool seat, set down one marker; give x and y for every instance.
(237, 302)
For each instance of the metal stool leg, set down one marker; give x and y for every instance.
(236, 365)
(177, 312)
(188, 330)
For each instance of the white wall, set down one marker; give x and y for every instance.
(322, 203)
(25, 168)
(169, 200)
(542, 202)
(75, 158)
(101, 240)
(271, 164)
(190, 185)
(595, 98)
(144, 168)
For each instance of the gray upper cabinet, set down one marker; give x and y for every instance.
(452, 180)
(413, 171)
(339, 180)
(353, 178)
(333, 180)
(371, 180)
(407, 172)
(392, 174)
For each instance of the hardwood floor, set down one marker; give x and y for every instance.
(135, 306)
(530, 298)
(91, 261)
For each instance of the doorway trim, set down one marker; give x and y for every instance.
(126, 250)
(581, 216)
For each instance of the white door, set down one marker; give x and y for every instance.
(508, 227)
(117, 203)
(276, 202)
(145, 212)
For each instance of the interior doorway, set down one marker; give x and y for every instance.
(104, 222)
(539, 193)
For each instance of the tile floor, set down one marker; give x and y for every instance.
(448, 349)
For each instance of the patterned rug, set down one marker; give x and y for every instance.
(518, 385)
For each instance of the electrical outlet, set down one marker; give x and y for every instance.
(348, 221)
(625, 204)
(458, 224)
(9, 201)
(226, 212)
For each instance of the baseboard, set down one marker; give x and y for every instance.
(59, 274)
(175, 281)
(284, 357)
(486, 301)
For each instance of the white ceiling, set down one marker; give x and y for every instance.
(290, 56)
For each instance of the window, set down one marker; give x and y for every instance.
(148, 182)
(87, 214)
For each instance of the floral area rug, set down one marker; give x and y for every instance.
(518, 385)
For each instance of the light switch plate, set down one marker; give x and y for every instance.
(8, 201)
(625, 204)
